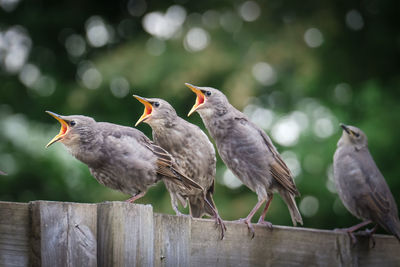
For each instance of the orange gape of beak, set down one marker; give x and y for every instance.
(63, 130)
(148, 109)
(200, 99)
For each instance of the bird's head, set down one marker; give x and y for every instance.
(73, 130)
(208, 100)
(157, 112)
(353, 136)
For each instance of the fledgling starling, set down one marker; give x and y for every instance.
(247, 151)
(361, 186)
(193, 153)
(121, 158)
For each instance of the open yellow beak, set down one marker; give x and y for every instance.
(63, 130)
(200, 99)
(148, 109)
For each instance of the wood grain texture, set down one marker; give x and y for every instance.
(125, 234)
(14, 234)
(46, 233)
(63, 234)
(285, 246)
(171, 240)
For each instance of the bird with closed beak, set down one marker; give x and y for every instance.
(121, 158)
(193, 152)
(247, 151)
(361, 186)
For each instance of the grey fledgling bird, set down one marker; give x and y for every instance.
(361, 186)
(121, 158)
(193, 152)
(247, 151)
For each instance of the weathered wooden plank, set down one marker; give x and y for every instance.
(171, 240)
(14, 234)
(125, 234)
(385, 253)
(282, 246)
(63, 234)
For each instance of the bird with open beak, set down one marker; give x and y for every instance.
(361, 186)
(121, 158)
(247, 151)
(193, 152)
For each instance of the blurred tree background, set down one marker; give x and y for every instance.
(297, 69)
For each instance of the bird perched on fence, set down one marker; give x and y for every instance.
(193, 152)
(247, 151)
(121, 158)
(361, 186)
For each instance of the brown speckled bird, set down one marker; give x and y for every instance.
(193, 153)
(361, 186)
(121, 158)
(247, 151)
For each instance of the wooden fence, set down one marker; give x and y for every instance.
(43, 233)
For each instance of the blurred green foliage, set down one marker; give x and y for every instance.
(296, 68)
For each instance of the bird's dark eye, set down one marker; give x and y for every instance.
(156, 104)
(356, 134)
(208, 93)
(72, 123)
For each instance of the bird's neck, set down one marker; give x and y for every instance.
(217, 123)
(87, 148)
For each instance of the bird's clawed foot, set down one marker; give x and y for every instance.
(265, 223)
(249, 225)
(369, 233)
(220, 223)
(349, 232)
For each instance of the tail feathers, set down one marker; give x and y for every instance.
(292, 206)
(199, 207)
(392, 225)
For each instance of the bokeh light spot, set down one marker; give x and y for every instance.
(230, 180)
(75, 45)
(264, 73)
(313, 37)
(354, 20)
(249, 11)
(286, 131)
(96, 31)
(119, 87)
(196, 39)
(309, 206)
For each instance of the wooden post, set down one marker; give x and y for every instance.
(125, 234)
(63, 234)
(14, 234)
(172, 240)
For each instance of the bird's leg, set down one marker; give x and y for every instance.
(218, 219)
(135, 197)
(351, 229)
(247, 220)
(262, 217)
